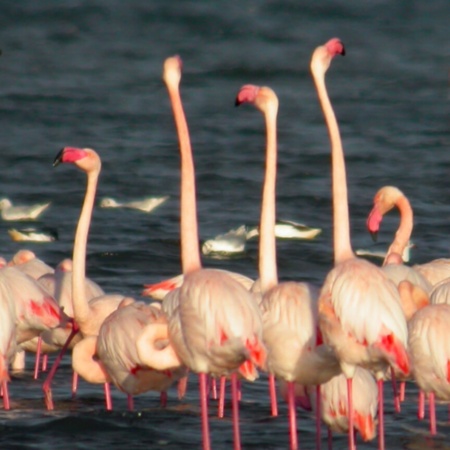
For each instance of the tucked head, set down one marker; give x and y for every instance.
(323, 55)
(264, 98)
(172, 71)
(85, 159)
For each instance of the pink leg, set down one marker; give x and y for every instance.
(221, 408)
(204, 408)
(47, 383)
(273, 395)
(380, 415)
(130, 403)
(421, 409)
(292, 416)
(214, 389)
(44, 363)
(5, 393)
(74, 384)
(432, 406)
(318, 418)
(239, 386)
(351, 436)
(108, 398)
(163, 399)
(38, 357)
(402, 391)
(395, 391)
(182, 386)
(235, 404)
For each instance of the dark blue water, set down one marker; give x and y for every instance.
(88, 73)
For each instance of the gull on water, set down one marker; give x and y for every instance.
(30, 212)
(33, 235)
(146, 205)
(288, 229)
(230, 242)
(382, 254)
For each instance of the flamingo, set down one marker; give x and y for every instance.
(27, 261)
(289, 309)
(359, 307)
(7, 336)
(133, 349)
(414, 288)
(88, 315)
(429, 347)
(216, 326)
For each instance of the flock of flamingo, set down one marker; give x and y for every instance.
(328, 349)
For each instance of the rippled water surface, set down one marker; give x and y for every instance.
(88, 73)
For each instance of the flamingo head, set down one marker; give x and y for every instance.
(264, 98)
(85, 159)
(322, 56)
(172, 71)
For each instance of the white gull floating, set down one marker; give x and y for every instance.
(29, 212)
(146, 205)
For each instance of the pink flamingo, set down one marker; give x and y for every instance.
(134, 350)
(289, 309)
(216, 327)
(429, 348)
(29, 263)
(7, 336)
(359, 307)
(88, 315)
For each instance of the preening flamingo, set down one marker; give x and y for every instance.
(359, 307)
(289, 308)
(413, 287)
(216, 327)
(134, 349)
(88, 315)
(429, 347)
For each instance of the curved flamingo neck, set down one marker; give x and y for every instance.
(403, 234)
(341, 223)
(267, 241)
(81, 308)
(190, 252)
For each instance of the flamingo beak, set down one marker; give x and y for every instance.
(58, 158)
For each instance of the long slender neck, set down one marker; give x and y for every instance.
(267, 242)
(341, 223)
(190, 252)
(81, 308)
(403, 234)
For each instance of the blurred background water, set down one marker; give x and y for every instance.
(88, 73)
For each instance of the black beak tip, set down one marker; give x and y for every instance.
(58, 158)
(237, 102)
(374, 235)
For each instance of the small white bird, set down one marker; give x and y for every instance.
(287, 229)
(382, 254)
(32, 235)
(230, 242)
(31, 212)
(147, 205)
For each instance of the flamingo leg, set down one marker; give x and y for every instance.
(221, 408)
(203, 384)
(5, 393)
(330, 439)
(402, 391)
(44, 363)
(421, 408)
(46, 387)
(130, 403)
(432, 407)
(74, 384)
(235, 403)
(108, 398)
(273, 395)
(38, 357)
(397, 405)
(182, 387)
(351, 435)
(214, 389)
(292, 416)
(163, 399)
(380, 415)
(318, 421)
